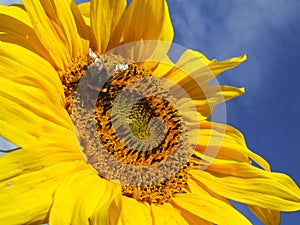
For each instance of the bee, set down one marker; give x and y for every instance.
(93, 82)
(96, 78)
(96, 74)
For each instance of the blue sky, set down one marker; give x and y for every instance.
(269, 33)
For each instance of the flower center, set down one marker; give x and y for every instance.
(129, 127)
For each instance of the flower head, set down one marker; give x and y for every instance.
(112, 131)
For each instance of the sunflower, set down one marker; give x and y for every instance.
(112, 131)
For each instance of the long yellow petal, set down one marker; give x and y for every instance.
(206, 206)
(85, 199)
(60, 27)
(105, 15)
(84, 9)
(28, 179)
(196, 188)
(191, 74)
(228, 142)
(267, 216)
(193, 219)
(144, 20)
(16, 28)
(211, 96)
(207, 97)
(166, 214)
(245, 183)
(217, 67)
(31, 95)
(193, 65)
(135, 212)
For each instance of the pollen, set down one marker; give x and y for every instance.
(129, 126)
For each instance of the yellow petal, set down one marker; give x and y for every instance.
(85, 199)
(166, 214)
(135, 212)
(16, 28)
(267, 216)
(60, 27)
(191, 117)
(80, 29)
(115, 211)
(32, 100)
(207, 97)
(191, 65)
(210, 96)
(195, 66)
(167, 32)
(214, 93)
(191, 74)
(144, 20)
(105, 15)
(22, 66)
(245, 183)
(163, 67)
(217, 67)
(84, 9)
(193, 219)
(209, 208)
(31, 97)
(28, 179)
(194, 188)
(228, 142)
(199, 189)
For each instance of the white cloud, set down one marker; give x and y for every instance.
(223, 29)
(9, 2)
(228, 24)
